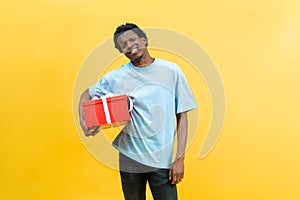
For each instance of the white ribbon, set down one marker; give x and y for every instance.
(105, 107)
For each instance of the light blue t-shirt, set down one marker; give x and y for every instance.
(159, 91)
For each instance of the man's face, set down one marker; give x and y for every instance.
(132, 45)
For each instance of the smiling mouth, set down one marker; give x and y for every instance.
(133, 51)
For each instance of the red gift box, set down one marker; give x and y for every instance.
(106, 112)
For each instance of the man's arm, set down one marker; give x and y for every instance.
(177, 168)
(85, 97)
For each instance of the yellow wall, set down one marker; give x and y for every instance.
(254, 44)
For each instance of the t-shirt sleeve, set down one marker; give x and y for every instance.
(101, 88)
(185, 100)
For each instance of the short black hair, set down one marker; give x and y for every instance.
(126, 27)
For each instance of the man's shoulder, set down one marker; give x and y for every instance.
(117, 72)
(169, 65)
(166, 62)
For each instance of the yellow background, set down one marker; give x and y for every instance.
(254, 44)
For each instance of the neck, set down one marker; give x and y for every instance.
(143, 61)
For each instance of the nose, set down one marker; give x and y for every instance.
(130, 45)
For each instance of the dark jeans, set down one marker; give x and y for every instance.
(134, 183)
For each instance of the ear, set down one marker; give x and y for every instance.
(145, 41)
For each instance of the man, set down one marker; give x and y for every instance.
(161, 96)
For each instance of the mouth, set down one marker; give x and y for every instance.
(133, 51)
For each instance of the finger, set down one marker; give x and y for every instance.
(170, 174)
(179, 179)
(94, 131)
(180, 175)
(174, 179)
(88, 132)
(97, 129)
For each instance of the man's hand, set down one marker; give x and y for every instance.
(177, 171)
(89, 131)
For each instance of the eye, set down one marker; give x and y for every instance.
(123, 46)
(132, 39)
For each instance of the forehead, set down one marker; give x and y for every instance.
(126, 35)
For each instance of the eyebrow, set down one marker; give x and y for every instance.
(125, 41)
